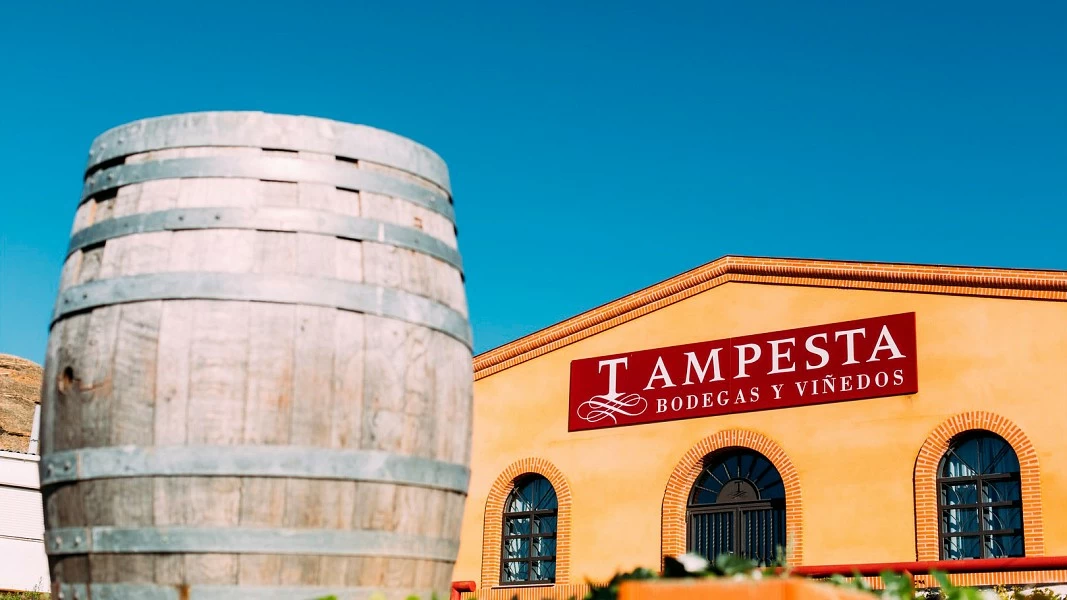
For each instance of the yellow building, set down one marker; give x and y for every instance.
(917, 416)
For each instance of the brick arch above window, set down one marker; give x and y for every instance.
(494, 518)
(680, 483)
(929, 458)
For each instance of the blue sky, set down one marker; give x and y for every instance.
(595, 148)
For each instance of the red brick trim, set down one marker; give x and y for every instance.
(1020, 578)
(931, 279)
(685, 474)
(494, 511)
(1026, 578)
(926, 520)
(531, 592)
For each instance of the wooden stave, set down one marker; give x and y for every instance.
(99, 320)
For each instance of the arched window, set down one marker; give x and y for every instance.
(529, 538)
(979, 499)
(737, 506)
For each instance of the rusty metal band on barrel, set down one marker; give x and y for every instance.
(272, 131)
(149, 591)
(288, 220)
(282, 289)
(246, 540)
(270, 168)
(251, 461)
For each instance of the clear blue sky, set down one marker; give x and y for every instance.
(594, 149)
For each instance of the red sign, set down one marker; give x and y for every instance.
(868, 358)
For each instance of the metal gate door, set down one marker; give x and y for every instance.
(754, 532)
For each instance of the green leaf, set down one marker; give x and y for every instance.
(898, 585)
(731, 564)
(841, 580)
(610, 591)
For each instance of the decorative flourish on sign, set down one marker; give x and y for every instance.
(600, 408)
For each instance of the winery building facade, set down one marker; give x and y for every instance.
(842, 413)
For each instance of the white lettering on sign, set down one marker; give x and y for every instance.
(692, 366)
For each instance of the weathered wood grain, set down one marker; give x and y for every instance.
(170, 423)
(63, 395)
(349, 370)
(217, 385)
(49, 377)
(96, 387)
(83, 216)
(318, 196)
(268, 401)
(310, 426)
(89, 266)
(309, 419)
(128, 502)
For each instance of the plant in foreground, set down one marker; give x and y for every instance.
(896, 586)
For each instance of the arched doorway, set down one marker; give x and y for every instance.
(737, 506)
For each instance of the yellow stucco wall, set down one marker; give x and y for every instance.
(855, 459)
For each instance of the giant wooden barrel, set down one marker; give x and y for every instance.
(258, 379)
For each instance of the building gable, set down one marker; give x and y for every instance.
(927, 279)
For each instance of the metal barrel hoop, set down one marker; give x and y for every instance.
(89, 464)
(282, 289)
(262, 130)
(64, 541)
(271, 168)
(155, 591)
(267, 219)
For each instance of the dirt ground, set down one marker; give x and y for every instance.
(20, 390)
